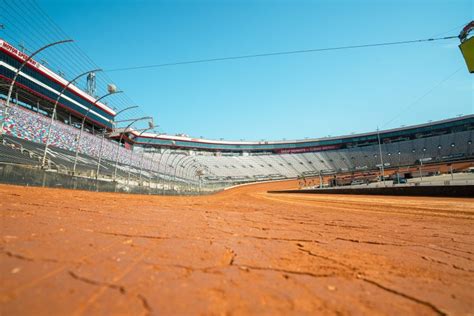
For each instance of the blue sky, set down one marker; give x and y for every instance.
(295, 96)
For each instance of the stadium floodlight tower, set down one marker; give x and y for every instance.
(132, 121)
(111, 90)
(53, 114)
(103, 137)
(17, 73)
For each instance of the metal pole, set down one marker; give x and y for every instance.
(151, 167)
(177, 166)
(171, 166)
(192, 172)
(131, 153)
(141, 167)
(381, 158)
(54, 111)
(166, 167)
(10, 90)
(100, 154)
(82, 127)
(126, 109)
(176, 169)
(398, 169)
(120, 140)
(179, 172)
(186, 165)
(130, 164)
(184, 173)
(421, 165)
(421, 173)
(103, 136)
(159, 165)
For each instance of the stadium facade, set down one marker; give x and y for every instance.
(185, 158)
(37, 82)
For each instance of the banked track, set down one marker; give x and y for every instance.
(242, 251)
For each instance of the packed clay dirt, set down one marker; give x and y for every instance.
(238, 252)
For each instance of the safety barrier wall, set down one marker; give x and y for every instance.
(420, 190)
(28, 176)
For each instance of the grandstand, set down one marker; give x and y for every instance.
(134, 157)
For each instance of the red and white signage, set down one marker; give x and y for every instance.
(306, 149)
(16, 52)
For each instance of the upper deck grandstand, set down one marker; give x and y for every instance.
(37, 82)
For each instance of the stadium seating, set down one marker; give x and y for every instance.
(31, 128)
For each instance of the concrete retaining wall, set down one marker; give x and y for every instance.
(429, 190)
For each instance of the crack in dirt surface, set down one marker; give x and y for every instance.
(133, 235)
(242, 252)
(27, 258)
(305, 273)
(358, 274)
(120, 288)
(370, 242)
(409, 297)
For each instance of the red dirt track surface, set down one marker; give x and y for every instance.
(239, 252)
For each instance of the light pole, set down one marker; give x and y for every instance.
(177, 166)
(152, 163)
(132, 150)
(184, 174)
(192, 172)
(159, 164)
(421, 164)
(161, 157)
(171, 166)
(185, 165)
(167, 167)
(197, 170)
(141, 163)
(17, 73)
(398, 171)
(103, 136)
(54, 111)
(123, 133)
(381, 158)
(200, 173)
(82, 126)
